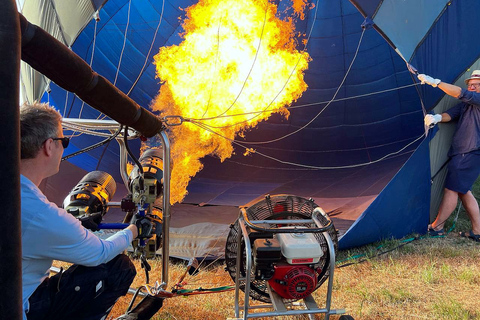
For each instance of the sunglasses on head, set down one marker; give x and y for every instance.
(65, 141)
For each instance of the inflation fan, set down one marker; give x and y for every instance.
(280, 250)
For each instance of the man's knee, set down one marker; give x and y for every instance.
(121, 271)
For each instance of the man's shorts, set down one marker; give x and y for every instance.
(463, 170)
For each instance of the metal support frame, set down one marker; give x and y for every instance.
(280, 308)
(166, 208)
(113, 125)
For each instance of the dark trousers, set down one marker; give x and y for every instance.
(86, 293)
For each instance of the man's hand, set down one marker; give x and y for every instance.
(145, 226)
(429, 80)
(91, 220)
(432, 119)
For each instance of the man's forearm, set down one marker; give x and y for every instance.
(445, 117)
(450, 89)
(134, 230)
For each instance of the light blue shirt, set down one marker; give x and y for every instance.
(50, 233)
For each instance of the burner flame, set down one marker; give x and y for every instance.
(237, 64)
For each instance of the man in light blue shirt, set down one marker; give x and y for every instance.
(100, 274)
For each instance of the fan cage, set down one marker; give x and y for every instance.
(278, 207)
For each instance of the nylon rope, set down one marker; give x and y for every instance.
(205, 126)
(324, 108)
(253, 63)
(286, 82)
(213, 83)
(73, 134)
(90, 64)
(308, 166)
(149, 50)
(121, 53)
(308, 104)
(124, 43)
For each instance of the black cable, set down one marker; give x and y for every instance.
(379, 254)
(96, 145)
(438, 171)
(133, 298)
(101, 156)
(130, 153)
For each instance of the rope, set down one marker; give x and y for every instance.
(321, 111)
(149, 51)
(90, 64)
(284, 85)
(308, 166)
(215, 69)
(190, 292)
(98, 144)
(253, 63)
(124, 42)
(307, 104)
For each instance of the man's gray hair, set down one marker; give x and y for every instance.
(38, 122)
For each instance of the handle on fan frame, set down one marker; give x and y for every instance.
(316, 212)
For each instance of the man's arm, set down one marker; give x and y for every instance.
(451, 90)
(445, 117)
(134, 230)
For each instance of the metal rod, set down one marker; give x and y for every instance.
(281, 221)
(248, 261)
(140, 294)
(91, 122)
(331, 250)
(327, 227)
(291, 313)
(115, 204)
(166, 208)
(123, 161)
(237, 273)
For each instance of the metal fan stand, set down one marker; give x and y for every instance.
(278, 307)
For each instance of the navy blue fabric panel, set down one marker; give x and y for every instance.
(401, 208)
(450, 48)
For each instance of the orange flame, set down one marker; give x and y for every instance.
(238, 63)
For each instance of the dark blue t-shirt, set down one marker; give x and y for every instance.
(467, 134)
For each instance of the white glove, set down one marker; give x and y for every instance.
(431, 119)
(429, 80)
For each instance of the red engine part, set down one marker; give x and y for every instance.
(293, 281)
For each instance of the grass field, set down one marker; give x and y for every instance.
(427, 278)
